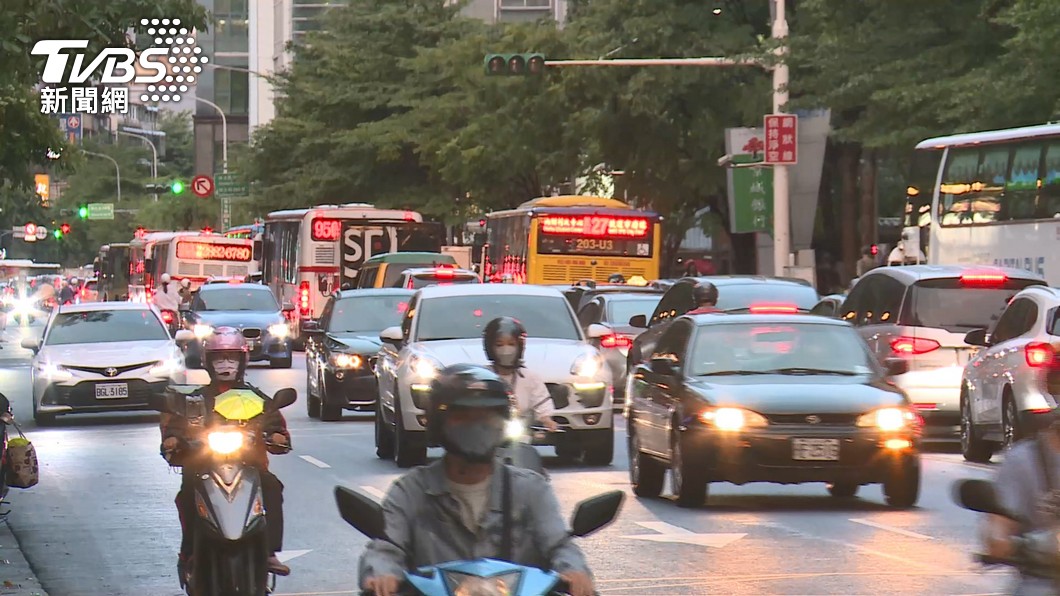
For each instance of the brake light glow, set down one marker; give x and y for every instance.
(402, 307)
(1038, 354)
(774, 309)
(913, 345)
(442, 273)
(615, 341)
(983, 279)
(303, 292)
(926, 406)
(167, 316)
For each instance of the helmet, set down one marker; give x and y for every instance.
(185, 282)
(225, 340)
(705, 293)
(467, 386)
(616, 278)
(73, 280)
(165, 278)
(504, 326)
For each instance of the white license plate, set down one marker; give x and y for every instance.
(815, 449)
(112, 390)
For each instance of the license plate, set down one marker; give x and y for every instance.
(815, 449)
(112, 390)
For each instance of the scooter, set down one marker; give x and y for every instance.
(172, 320)
(481, 577)
(7, 418)
(230, 544)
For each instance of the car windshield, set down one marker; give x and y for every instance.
(423, 280)
(951, 305)
(743, 296)
(367, 314)
(105, 326)
(778, 348)
(236, 299)
(621, 311)
(465, 317)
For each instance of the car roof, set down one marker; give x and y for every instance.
(910, 274)
(722, 319)
(489, 290)
(240, 286)
(411, 257)
(429, 270)
(375, 292)
(632, 296)
(103, 306)
(620, 289)
(733, 280)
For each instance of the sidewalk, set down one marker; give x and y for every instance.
(16, 577)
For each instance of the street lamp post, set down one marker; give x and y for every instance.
(117, 170)
(154, 153)
(226, 205)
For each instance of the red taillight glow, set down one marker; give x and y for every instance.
(774, 309)
(1038, 354)
(443, 273)
(403, 306)
(913, 345)
(984, 279)
(615, 341)
(167, 316)
(303, 291)
(477, 313)
(926, 406)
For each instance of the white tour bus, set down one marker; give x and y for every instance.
(989, 198)
(196, 256)
(308, 254)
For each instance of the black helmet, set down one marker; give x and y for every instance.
(464, 386)
(504, 326)
(705, 293)
(616, 278)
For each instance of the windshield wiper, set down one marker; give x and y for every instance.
(734, 372)
(800, 370)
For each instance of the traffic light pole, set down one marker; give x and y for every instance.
(117, 170)
(226, 204)
(154, 153)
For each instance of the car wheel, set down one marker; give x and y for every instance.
(843, 490)
(686, 482)
(599, 446)
(42, 419)
(409, 450)
(646, 475)
(1010, 429)
(328, 413)
(312, 403)
(384, 435)
(280, 362)
(973, 448)
(902, 489)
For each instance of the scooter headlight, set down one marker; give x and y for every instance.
(225, 442)
(514, 429)
(462, 584)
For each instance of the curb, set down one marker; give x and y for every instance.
(16, 576)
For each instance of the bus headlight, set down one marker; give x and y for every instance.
(225, 442)
(279, 330)
(202, 331)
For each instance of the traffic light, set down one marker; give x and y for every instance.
(514, 64)
(874, 249)
(58, 234)
(176, 187)
(65, 228)
(82, 211)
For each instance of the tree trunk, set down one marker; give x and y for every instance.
(849, 155)
(869, 215)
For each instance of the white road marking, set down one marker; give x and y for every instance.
(887, 528)
(316, 462)
(672, 533)
(375, 492)
(287, 555)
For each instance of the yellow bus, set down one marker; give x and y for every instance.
(561, 240)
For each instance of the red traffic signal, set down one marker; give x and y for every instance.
(207, 230)
(140, 232)
(874, 249)
(482, 223)
(65, 228)
(31, 229)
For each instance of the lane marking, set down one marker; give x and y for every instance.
(672, 533)
(879, 526)
(375, 492)
(316, 462)
(287, 555)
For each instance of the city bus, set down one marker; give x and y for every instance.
(310, 253)
(255, 232)
(988, 198)
(112, 272)
(560, 240)
(195, 256)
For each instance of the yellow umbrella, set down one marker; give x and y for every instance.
(637, 280)
(239, 404)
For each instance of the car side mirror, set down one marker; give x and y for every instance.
(184, 335)
(663, 366)
(896, 366)
(31, 343)
(392, 335)
(361, 512)
(596, 331)
(288, 306)
(284, 398)
(976, 337)
(311, 326)
(594, 513)
(639, 321)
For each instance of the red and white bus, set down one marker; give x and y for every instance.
(196, 256)
(254, 232)
(310, 253)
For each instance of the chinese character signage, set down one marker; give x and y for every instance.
(782, 139)
(750, 187)
(43, 189)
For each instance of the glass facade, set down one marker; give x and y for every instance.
(232, 87)
(231, 31)
(306, 16)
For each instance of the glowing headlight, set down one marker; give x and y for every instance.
(168, 367)
(202, 331)
(225, 442)
(732, 419)
(888, 419)
(462, 584)
(424, 369)
(280, 330)
(347, 360)
(586, 365)
(24, 306)
(54, 372)
(514, 429)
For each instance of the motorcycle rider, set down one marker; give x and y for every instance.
(706, 297)
(185, 292)
(68, 292)
(504, 341)
(455, 508)
(167, 295)
(225, 357)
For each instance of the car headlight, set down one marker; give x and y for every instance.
(462, 584)
(224, 442)
(732, 419)
(280, 330)
(586, 365)
(167, 367)
(54, 372)
(424, 368)
(888, 419)
(347, 360)
(514, 428)
(202, 331)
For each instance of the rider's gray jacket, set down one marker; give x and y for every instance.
(424, 525)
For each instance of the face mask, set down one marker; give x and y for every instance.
(226, 369)
(475, 441)
(506, 355)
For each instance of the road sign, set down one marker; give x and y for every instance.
(229, 185)
(70, 124)
(101, 211)
(202, 186)
(750, 188)
(782, 139)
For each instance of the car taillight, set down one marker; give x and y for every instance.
(167, 316)
(913, 345)
(774, 309)
(615, 341)
(303, 292)
(444, 273)
(983, 279)
(1038, 354)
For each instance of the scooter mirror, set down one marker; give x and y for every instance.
(5, 404)
(361, 512)
(977, 495)
(284, 398)
(594, 513)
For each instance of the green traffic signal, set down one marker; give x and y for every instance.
(176, 187)
(58, 234)
(82, 211)
(514, 64)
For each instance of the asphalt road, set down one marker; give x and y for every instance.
(102, 520)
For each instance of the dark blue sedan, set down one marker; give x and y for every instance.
(252, 309)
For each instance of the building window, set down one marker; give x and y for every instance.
(231, 30)
(232, 90)
(525, 3)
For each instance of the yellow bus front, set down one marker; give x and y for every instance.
(570, 245)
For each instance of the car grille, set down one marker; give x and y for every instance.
(100, 370)
(560, 395)
(825, 419)
(84, 394)
(252, 333)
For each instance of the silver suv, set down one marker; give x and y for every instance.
(922, 313)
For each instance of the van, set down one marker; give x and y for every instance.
(384, 271)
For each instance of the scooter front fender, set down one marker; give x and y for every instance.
(229, 501)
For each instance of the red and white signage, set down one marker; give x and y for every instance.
(202, 186)
(782, 139)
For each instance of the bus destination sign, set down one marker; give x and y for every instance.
(600, 226)
(206, 251)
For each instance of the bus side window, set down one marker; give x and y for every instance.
(258, 248)
(1050, 196)
(1021, 189)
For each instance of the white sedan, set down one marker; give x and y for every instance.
(443, 326)
(103, 357)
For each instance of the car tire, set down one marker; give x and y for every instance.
(312, 403)
(686, 482)
(281, 362)
(902, 489)
(42, 419)
(599, 446)
(646, 475)
(843, 490)
(1010, 421)
(384, 435)
(409, 450)
(328, 413)
(973, 448)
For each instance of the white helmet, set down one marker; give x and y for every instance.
(185, 282)
(165, 278)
